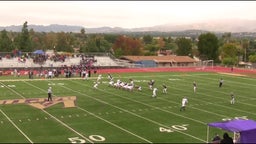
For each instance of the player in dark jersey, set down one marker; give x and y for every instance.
(151, 84)
(221, 83)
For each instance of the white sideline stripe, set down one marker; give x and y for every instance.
(219, 104)
(230, 81)
(115, 125)
(142, 116)
(77, 78)
(247, 78)
(12, 90)
(97, 117)
(60, 120)
(240, 101)
(17, 127)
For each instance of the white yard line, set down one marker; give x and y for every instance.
(68, 126)
(225, 98)
(246, 84)
(115, 125)
(232, 108)
(190, 107)
(145, 117)
(11, 120)
(52, 115)
(17, 127)
(12, 90)
(58, 119)
(219, 104)
(103, 120)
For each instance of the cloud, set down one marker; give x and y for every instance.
(121, 13)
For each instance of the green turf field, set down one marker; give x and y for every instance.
(109, 115)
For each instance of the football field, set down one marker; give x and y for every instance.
(80, 113)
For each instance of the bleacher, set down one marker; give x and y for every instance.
(100, 61)
(105, 61)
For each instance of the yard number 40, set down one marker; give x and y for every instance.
(96, 138)
(173, 128)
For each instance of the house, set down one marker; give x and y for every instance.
(160, 61)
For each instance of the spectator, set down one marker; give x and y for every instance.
(216, 139)
(226, 139)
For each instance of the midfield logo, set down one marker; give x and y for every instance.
(42, 103)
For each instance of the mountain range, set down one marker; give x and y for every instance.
(229, 25)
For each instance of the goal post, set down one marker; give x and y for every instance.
(207, 63)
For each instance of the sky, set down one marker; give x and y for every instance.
(125, 14)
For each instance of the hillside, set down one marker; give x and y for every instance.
(231, 25)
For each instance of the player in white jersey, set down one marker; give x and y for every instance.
(131, 82)
(96, 85)
(139, 88)
(154, 92)
(99, 78)
(194, 86)
(164, 89)
(111, 83)
(183, 104)
(117, 84)
(83, 73)
(50, 74)
(232, 101)
(86, 75)
(129, 87)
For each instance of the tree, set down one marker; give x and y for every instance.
(111, 38)
(49, 40)
(24, 40)
(127, 46)
(208, 46)
(147, 39)
(150, 49)
(5, 42)
(184, 46)
(36, 40)
(245, 46)
(229, 61)
(90, 46)
(252, 58)
(229, 54)
(64, 42)
(82, 31)
(228, 50)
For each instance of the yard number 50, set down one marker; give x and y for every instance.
(96, 138)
